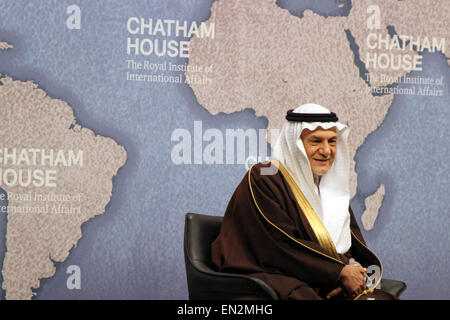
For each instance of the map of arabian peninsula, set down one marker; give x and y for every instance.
(56, 174)
(264, 58)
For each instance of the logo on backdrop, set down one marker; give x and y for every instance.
(74, 19)
(153, 45)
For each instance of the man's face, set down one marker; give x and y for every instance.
(320, 146)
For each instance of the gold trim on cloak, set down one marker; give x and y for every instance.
(317, 226)
(381, 269)
(306, 207)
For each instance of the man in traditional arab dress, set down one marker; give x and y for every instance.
(289, 222)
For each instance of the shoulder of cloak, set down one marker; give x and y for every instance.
(275, 205)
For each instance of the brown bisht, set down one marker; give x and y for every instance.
(266, 234)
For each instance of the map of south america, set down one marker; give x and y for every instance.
(57, 175)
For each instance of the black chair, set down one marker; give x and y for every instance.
(204, 283)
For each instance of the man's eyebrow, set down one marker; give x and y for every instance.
(321, 138)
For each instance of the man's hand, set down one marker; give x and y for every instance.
(352, 280)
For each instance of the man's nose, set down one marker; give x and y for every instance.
(325, 149)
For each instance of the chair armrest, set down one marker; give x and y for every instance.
(237, 284)
(394, 287)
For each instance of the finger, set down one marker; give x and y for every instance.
(363, 286)
(363, 282)
(359, 291)
(334, 292)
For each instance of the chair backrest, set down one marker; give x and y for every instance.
(203, 281)
(200, 231)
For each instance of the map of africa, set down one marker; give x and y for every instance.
(262, 63)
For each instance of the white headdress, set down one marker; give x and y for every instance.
(333, 203)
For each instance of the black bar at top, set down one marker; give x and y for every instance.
(311, 117)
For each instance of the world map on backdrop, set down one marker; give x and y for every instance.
(117, 118)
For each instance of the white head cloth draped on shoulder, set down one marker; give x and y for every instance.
(333, 203)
